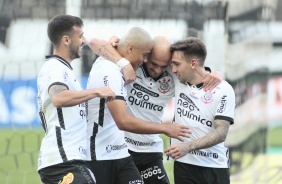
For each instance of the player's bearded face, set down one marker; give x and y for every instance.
(75, 51)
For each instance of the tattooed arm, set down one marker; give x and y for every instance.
(217, 136)
(104, 49)
(107, 51)
(62, 97)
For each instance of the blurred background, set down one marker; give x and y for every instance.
(244, 42)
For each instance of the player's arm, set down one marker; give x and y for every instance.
(215, 137)
(130, 123)
(212, 80)
(107, 51)
(61, 96)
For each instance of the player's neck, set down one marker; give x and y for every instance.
(199, 75)
(63, 55)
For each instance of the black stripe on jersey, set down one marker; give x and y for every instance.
(120, 98)
(92, 142)
(86, 108)
(58, 83)
(227, 156)
(101, 112)
(61, 118)
(43, 122)
(60, 144)
(173, 121)
(231, 120)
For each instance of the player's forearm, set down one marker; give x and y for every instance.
(104, 49)
(135, 125)
(69, 98)
(211, 139)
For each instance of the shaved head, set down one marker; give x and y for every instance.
(135, 46)
(160, 56)
(161, 48)
(136, 36)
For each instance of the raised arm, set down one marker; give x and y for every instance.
(107, 51)
(130, 123)
(104, 49)
(217, 136)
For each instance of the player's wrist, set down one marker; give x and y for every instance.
(122, 63)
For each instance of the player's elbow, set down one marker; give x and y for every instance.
(93, 43)
(121, 124)
(222, 137)
(57, 101)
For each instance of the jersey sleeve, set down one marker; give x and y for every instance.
(57, 75)
(106, 73)
(115, 81)
(226, 105)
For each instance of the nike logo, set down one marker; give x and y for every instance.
(160, 177)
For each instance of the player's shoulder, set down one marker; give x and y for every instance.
(224, 86)
(52, 65)
(105, 66)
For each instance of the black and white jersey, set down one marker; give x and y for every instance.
(147, 99)
(106, 141)
(65, 128)
(198, 110)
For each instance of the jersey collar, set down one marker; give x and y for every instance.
(199, 86)
(59, 59)
(146, 73)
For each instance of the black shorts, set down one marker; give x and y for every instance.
(74, 172)
(151, 167)
(119, 171)
(191, 174)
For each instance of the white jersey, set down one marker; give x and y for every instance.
(65, 128)
(198, 110)
(147, 99)
(106, 141)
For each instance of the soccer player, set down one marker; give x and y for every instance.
(61, 103)
(202, 158)
(147, 98)
(108, 152)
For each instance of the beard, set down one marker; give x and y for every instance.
(75, 52)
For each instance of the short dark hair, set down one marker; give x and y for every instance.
(61, 25)
(191, 47)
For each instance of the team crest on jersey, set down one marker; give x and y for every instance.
(165, 85)
(68, 179)
(208, 97)
(109, 148)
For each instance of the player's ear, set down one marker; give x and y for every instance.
(130, 48)
(66, 40)
(193, 63)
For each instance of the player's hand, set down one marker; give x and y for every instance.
(177, 151)
(129, 74)
(177, 131)
(212, 80)
(106, 92)
(114, 40)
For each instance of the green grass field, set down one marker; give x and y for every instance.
(19, 151)
(18, 156)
